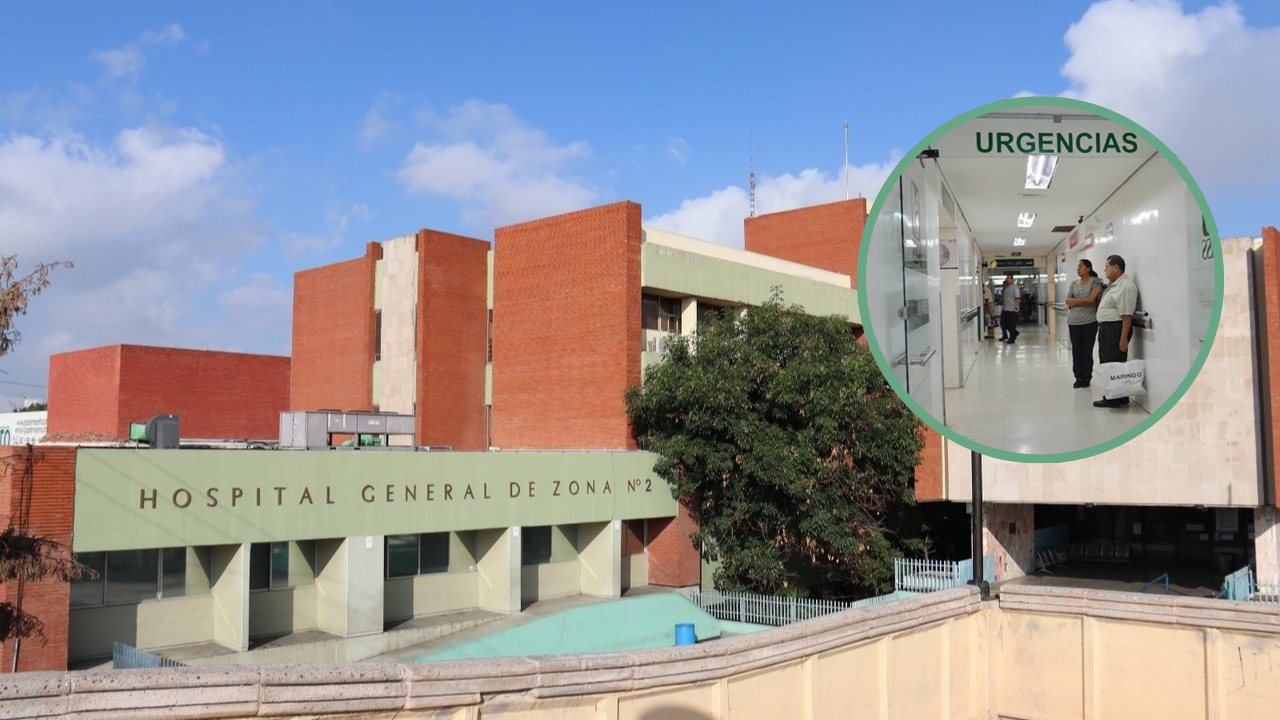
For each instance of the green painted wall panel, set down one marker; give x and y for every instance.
(687, 273)
(130, 499)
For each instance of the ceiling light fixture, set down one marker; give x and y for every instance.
(1040, 171)
(1019, 242)
(1026, 219)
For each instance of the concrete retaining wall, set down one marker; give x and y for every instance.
(1039, 653)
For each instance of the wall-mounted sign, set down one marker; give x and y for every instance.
(1088, 241)
(1015, 263)
(1063, 259)
(20, 428)
(1109, 232)
(947, 258)
(1046, 143)
(170, 498)
(1073, 240)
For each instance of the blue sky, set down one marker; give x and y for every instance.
(191, 157)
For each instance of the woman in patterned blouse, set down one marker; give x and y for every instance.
(1082, 318)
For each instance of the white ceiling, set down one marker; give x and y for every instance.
(990, 190)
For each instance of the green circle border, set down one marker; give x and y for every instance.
(1100, 448)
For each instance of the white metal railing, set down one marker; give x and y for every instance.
(1241, 585)
(914, 575)
(757, 609)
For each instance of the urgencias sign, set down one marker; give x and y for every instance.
(1054, 143)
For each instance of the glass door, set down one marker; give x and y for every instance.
(903, 304)
(919, 352)
(885, 298)
(1200, 272)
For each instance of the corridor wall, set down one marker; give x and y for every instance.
(1153, 222)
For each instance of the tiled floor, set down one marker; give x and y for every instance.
(1019, 398)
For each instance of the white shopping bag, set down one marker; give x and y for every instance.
(1122, 380)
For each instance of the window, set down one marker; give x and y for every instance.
(535, 546)
(377, 335)
(402, 555)
(660, 313)
(424, 554)
(88, 591)
(281, 565)
(489, 337)
(659, 316)
(131, 576)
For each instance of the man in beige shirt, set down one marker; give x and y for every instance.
(1115, 320)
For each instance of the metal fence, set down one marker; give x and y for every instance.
(125, 657)
(764, 609)
(1242, 586)
(912, 575)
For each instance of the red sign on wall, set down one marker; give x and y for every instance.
(1088, 241)
(1073, 240)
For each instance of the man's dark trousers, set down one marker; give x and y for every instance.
(1009, 324)
(1109, 349)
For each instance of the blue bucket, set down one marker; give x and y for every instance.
(685, 634)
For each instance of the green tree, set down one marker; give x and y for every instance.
(777, 429)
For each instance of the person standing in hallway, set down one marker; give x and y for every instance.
(987, 304)
(1009, 310)
(1115, 320)
(1082, 321)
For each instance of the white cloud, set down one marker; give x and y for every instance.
(718, 217)
(336, 222)
(1205, 83)
(678, 150)
(156, 227)
(260, 301)
(128, 62)
(497, 166)
(121, 63)
(169, 35)
(376, 123)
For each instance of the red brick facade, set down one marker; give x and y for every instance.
(216, 394)
(48, 515)
(823, 236)
(929, 471)
(84, 392)
(333, 335)
(566, 329)
(453, 310)
(674, 561)
(1271, 291)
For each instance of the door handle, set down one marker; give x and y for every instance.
(925, 355)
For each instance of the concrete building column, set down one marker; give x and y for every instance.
(1009, 534)
(229, 586)
(350, 585)
(688, 316)
(600, 554)
(1266, 544)
(498, 568)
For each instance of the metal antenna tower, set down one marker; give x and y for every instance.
(846, 159)
(753, 176)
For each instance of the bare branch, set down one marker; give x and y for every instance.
(15, 292)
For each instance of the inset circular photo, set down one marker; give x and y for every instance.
(1041, 279)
